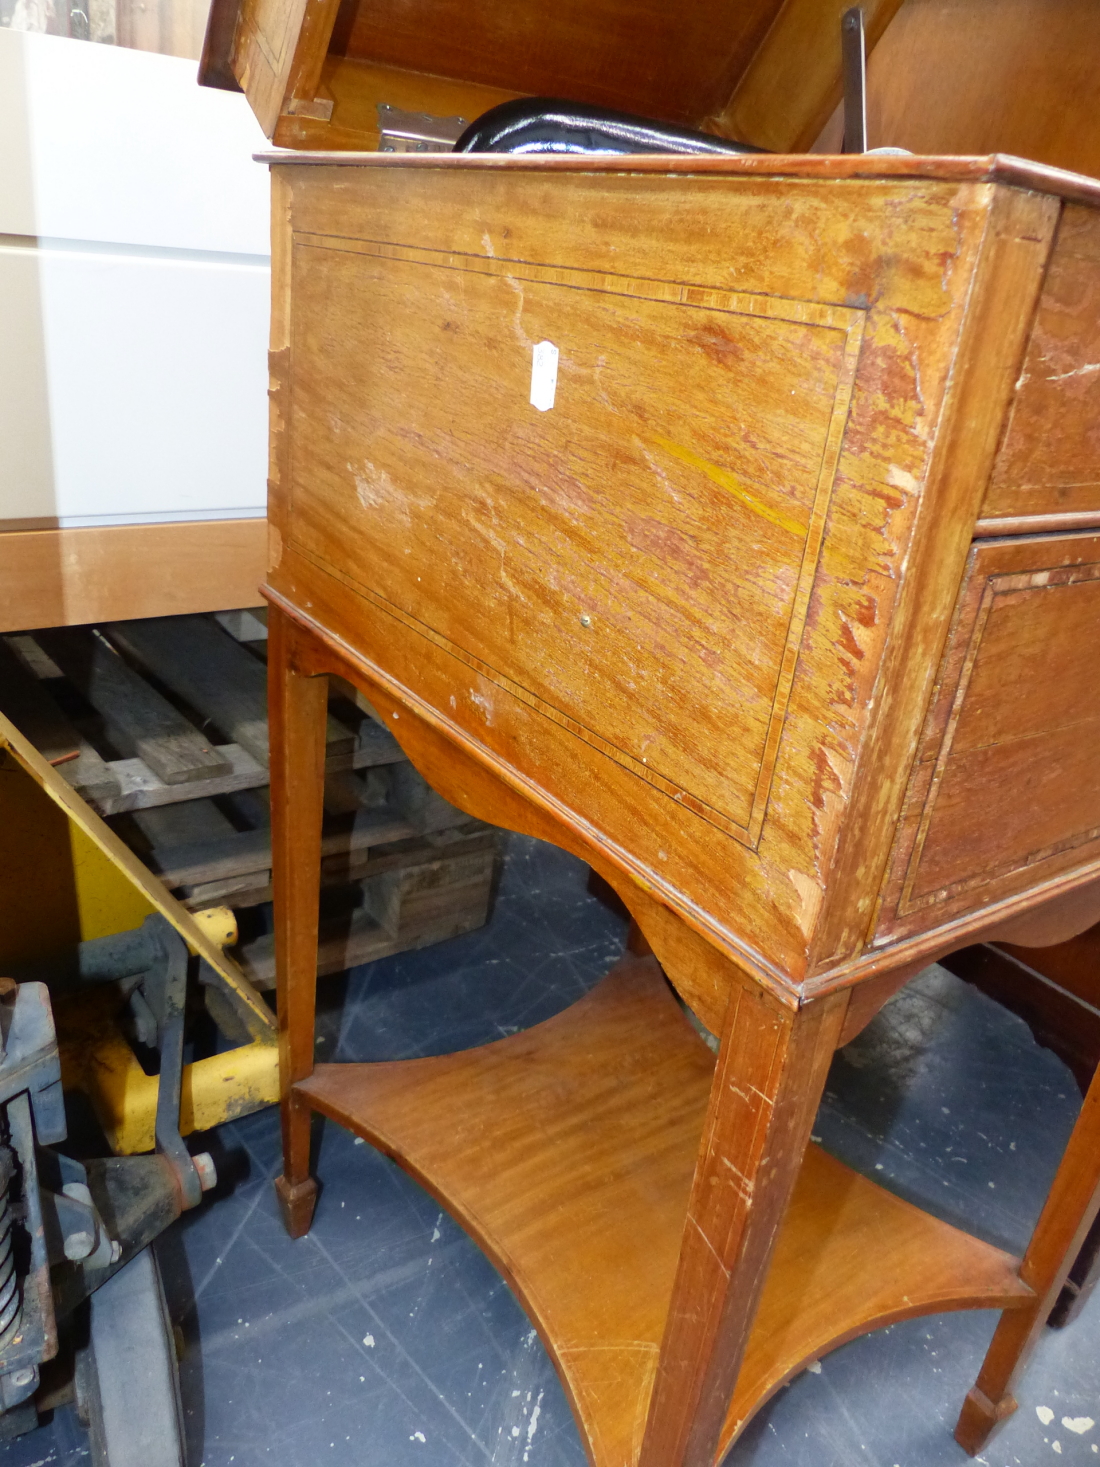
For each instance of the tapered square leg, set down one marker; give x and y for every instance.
(770, 1074)
(297, 712)
(1071, 1207)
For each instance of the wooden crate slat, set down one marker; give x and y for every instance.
(29, 706)
(92, 777)
(137, 720)
(199, 862)
(343, 944)
(377, 743)
(253, 888)
(246, 625)
(34, 713)
(139, 787)
(424, 866)
(181, 823)
(227, 892)
(343, 793)
(203, 665)
(32, 656)
(249, 851)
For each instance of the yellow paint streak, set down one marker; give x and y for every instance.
(730, 482)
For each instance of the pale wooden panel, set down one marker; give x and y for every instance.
(674, 489)
(70, 577)
(1003, 792)
(1050, 460)
(987, 76)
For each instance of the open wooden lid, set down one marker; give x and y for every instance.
(347, 74)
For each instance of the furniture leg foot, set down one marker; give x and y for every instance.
(1071, 1208)
(979, 1419)
(296, 1203)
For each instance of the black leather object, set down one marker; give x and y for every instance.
(551, 125)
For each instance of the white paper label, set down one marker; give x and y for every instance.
(544, 376)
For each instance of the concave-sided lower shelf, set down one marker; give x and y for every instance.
(567, 1151)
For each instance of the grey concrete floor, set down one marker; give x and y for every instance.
(385, 1339)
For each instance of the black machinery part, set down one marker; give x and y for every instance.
(554, 125)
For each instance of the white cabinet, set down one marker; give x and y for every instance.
(134, 289)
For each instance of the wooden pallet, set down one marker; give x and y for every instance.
(416, 893)
(150, 713)
(162, 726)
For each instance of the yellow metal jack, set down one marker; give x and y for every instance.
(65, 877)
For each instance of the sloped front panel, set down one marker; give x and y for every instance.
(634, 560)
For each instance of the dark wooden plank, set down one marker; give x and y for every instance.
(192, 862)
(1058, 1020)
(344, 793)
(246, 625)
(202, 664)
(344, 944)
(137, 719)
(184, 822)
(254, 887)
(35, 714)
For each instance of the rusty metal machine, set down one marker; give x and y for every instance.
(70, 1229)
(89, 937)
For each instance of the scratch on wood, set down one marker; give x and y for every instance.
(709, 1246)
(746, 1186)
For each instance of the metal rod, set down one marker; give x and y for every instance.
(853, 48)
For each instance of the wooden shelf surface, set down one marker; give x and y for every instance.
(567, 1151)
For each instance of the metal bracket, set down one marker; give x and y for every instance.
(417, 132)
(28, 1057)
(150, 964)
